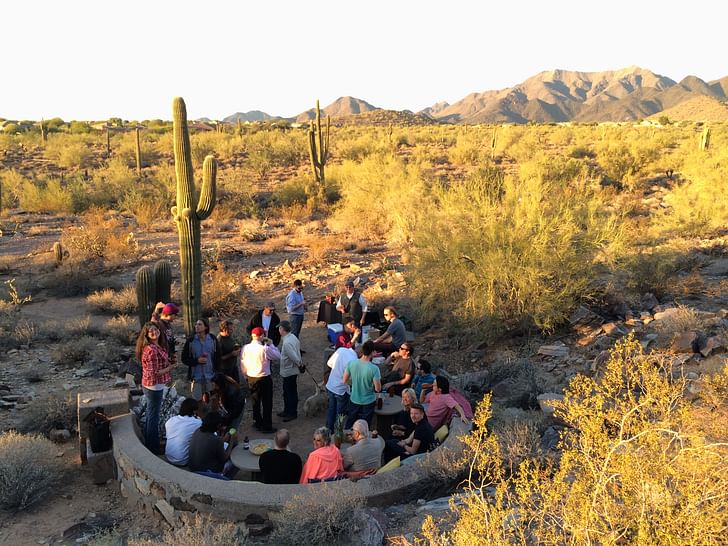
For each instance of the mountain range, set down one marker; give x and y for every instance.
(628, 94)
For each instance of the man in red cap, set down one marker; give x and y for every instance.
(163, 316)
(255, 367)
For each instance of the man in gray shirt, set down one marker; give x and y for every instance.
(395, 335)
(366, 453)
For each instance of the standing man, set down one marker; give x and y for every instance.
(352, 303)
(365, 380)
(267, 319)
(202, 355)
(290, 364)
(229, 351)
(336, 389)
(163, 317)
(296, 307)
(255, 366)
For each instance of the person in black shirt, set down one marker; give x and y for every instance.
(267, 319)
(229, 351)
(280, 465)
(420, 441)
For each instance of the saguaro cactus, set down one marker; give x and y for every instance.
(318, 146)
(43, 131)
(138, 153)
(59, 252)
(145, 291)
(108, 141)
(163, 281)
(188, 218)
(705, 139)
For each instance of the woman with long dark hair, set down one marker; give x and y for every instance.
(156, 369)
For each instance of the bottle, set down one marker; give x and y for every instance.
(246, 443)
(380, 401)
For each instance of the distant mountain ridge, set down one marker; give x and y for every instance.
(627, 94)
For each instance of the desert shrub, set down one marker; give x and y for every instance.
(235, 195)
(655, 269)
(251, 230)
(100, 237)
(380, 196)
(123, 301)
(292, 191)
(46, 195)
(223, 292)
(470, 148)
(29, 470)
(122, 328)
(52, 411)
(524, 260)
(69, 152)
(581, 152)
(25, 332)
(519, 435)
(200, 530)
(319, 518)
(636, 466)
(54, 330)
(74, 351)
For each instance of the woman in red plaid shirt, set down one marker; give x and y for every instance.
(156, 370)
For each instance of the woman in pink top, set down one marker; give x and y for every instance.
(325, 461)
(156, 370)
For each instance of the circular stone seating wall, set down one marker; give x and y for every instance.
(148, 480)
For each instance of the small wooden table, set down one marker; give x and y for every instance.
(244, 460)
(391, 406)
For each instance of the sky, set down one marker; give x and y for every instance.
(92, 60)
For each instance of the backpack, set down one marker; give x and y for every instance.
(99, 431)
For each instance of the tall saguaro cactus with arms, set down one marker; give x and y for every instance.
(188, 216)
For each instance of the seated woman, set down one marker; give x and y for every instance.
(420, 441)
(228, 398)
(403, 369)
(441, 405)
(403, 425)
(325, 461)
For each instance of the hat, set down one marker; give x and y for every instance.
(270, 305)
(349, 282)
(170, 309)
(258, 331)
(286, 325)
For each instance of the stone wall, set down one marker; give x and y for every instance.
(159, 486)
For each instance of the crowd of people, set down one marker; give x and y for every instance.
(223, 375)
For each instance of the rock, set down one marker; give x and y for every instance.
(600, 361)
(649, 338)
(648, 301)
(692, 376)
(167, 511)
(584, 316)
(59, 436)
(254, 274)
(550, 438)
(613, 329)
(710, 344)
(557, 349)
(143, 486)
(546, 401)
(665, 312)
(718, 268)
(684, 343)
(369, 527)
(84, 372)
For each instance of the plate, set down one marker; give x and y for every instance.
(259, 448)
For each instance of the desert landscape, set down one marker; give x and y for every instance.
(558, 250)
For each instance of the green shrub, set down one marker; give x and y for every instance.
(29, 470)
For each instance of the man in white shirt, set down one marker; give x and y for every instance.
(290, 363)
(255, 367)
(179, 432)
(337, 390)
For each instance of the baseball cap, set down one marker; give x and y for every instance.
(349, 283)
(170, 309)
(258, 331)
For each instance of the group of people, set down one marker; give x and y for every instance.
(223, 374)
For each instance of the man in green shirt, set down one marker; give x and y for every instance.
(365, 380)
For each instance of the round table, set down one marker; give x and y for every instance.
(391, 406)
(244, 460)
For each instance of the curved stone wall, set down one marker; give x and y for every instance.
(148, 480)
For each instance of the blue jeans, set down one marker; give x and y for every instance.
(151, 424)
(296, 323)
(359, 411)
(338, 405)
(290, 396)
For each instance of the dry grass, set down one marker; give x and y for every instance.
(273, 245)
(223, 292)
(107, 300)
(122, 328)
(198, 531)
(75, 351)
(45, 414)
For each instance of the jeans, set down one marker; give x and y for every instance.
(261, 393)
(296, 323)
(199, 387)
(290, 396)
(338, 405)
(392, 449)
(151, 423)
(359, 411)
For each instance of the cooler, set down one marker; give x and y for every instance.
(333, 331)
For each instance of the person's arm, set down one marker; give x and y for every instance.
(364, 308)
(272, 352)
(216, 356)
(459, 409)
(377, 384)
(345, 378)
(339, 307)
(187, 359)
(413, 447)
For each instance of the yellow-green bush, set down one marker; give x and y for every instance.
(524, 259)
(640, 464)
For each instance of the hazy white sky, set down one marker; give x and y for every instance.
(94, 59)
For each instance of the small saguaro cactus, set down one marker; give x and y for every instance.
(108, 141)
(163, 281)
(146, 292)
(493, 142)
(188, 218)
(43, 131)
(138, 153)
(318, 146)
(705, 139)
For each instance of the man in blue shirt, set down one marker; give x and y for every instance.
(296, 307)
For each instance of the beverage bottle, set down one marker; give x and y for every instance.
(246, 443)
(380, 401)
